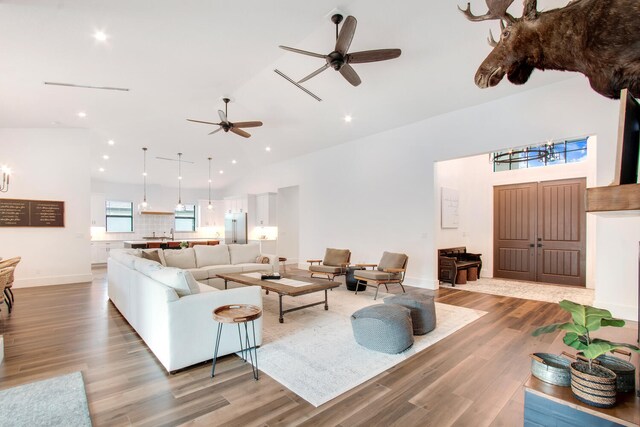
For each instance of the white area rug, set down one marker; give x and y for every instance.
(313, 353)
(528, 290)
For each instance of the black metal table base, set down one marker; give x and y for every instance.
(289, 310)
(245, 348)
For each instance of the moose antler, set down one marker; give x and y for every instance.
(497, 10)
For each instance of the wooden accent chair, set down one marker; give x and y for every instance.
(5, 274)
(390, 269)
(11, 263)
(334, 264)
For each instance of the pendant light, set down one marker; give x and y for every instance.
(210, 206)
(179, 206)
(144, 205)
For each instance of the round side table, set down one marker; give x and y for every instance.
(238, 314)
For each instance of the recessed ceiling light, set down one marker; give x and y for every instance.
(221, 172)
(111, 142)
(101, 169)
(82, 114)
(348, 118)
(234, 162)
(179, 177)
(268, 148)
(101, 36)
(105, 157)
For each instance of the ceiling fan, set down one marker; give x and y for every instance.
(227, 126)
(339, 59)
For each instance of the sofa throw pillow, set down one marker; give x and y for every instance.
(262, 259)
(181, 281)
(244, 254)
(180, 258)
(123, 257)
(336, 257)
(392, 260)
(152, 255)
(146, 266)
(212, 255)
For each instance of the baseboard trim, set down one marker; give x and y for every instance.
(52, 280)
(419, 282)
(627, 312)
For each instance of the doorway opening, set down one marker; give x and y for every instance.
(474, 179)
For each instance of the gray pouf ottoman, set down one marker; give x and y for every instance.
(423, 311)
(383, 327)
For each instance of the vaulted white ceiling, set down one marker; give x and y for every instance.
(179, 58)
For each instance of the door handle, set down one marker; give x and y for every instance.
(539, 245)
(531, 245)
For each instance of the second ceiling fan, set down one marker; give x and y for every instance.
(339, 59)
(227, 126)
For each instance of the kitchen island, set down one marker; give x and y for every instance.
(167, 244)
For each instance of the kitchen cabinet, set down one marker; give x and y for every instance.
(100, 251)
(98, 213)
(266, 210)
(237, 204)
(211, 217)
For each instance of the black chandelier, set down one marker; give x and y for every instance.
(543, 152)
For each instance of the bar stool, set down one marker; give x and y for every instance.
(238, 314)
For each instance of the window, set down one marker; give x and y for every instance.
(119, 217)
(546, 154)
(186, 219)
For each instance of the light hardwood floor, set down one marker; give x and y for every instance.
(471, 378)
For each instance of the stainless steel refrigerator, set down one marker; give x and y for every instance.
(235, 228)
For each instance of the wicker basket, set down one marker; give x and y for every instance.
(591, 389)
(551, 368)
(625, 372)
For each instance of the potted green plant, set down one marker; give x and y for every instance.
(184, 245)
(590, 382)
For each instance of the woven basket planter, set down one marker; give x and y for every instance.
(595, 390)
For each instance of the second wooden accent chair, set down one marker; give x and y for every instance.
(7, 267)
(391, 269)
(334, 264)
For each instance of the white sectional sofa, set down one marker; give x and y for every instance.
(171, 310)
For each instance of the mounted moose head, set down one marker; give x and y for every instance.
(598, 38)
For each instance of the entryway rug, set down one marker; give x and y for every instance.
(314, 354)
(527, 290)
(58, 401)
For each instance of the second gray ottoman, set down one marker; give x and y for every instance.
(423, 311)
(383, 327)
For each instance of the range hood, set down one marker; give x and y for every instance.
(156, 213)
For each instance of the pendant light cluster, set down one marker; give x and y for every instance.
(180, 207)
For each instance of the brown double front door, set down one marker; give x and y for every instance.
(539, 231)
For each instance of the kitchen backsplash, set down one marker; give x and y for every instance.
(147, 225)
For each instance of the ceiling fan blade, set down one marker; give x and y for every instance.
(254, 124)
(200, 121)
(240, 132)
(223, 116)
(373, 55)
(315, 73)
(350, 74)
(303, 52)
(217, 130)
(346, 35)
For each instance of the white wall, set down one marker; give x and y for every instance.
(288, 202)
(474, 179)
(49, 164)
(378, 193)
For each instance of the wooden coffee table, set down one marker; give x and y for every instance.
(282, 289)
